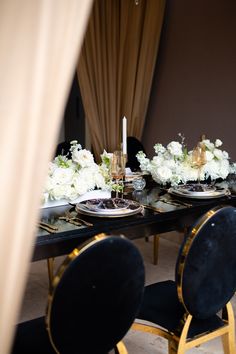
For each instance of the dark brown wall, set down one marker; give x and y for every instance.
(194, 87)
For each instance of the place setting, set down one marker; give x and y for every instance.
(109, 208)
(121, 178)
(195, 174)
(116, 206)
(199, 190)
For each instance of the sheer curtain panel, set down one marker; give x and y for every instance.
(39, 46)
(116, 66)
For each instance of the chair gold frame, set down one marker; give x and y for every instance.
(178, 342)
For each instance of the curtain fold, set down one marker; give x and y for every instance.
(116, 66)
(39, 46)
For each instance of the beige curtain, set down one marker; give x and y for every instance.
(116, 67)
(39, 46)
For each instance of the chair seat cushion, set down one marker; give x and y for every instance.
(32, 338)
(161, 306)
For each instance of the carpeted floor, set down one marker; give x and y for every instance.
(35, 298)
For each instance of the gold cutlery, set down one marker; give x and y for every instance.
(75, 220)
(47, 227)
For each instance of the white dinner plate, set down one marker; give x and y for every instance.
(208, 193)
(109, 207)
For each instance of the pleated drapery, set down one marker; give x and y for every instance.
(39, 47)
(116, 66)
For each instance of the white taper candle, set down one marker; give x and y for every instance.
(124, 135)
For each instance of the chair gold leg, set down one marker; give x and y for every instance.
(50, 264)
(228, 343)
(121, 348)
(155, 249)
(172, 347)
(228, 339)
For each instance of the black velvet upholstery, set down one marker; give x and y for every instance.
(210, 265)
(32, 338)
(205, 275)
(161, 306)
(133, 147)
(97, 299)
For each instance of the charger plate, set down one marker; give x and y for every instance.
(199, 191)
(109, 207)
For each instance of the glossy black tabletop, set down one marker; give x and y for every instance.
(172, 214)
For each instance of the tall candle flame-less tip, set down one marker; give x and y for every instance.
(124, 136)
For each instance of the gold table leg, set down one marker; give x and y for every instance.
(50, 264)
(155, 248)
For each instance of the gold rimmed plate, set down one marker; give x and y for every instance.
(189, 191)
(109, 207)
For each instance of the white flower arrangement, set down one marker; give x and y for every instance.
(71, 178)
(173, 164)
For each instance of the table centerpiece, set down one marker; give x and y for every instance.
(174, 164)
(77, 178)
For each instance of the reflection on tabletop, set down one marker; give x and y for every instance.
(65, 218)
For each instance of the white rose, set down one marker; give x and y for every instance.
(164, 173)
(224, 169)
(52, 167)
(171, 164)
(209, 156)
(81, 184)
(225, 155)
(218, 143)
(63, 175)
(175, 148)
(157, 160)
(62, 191)
(212, 169)
(83, 157)
(208, 144)
(218, 154)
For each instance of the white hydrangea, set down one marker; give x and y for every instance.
(159, 148)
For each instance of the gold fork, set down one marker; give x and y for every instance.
(47, 227)
(75, 220)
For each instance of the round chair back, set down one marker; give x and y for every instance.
(96, 296)
(206, 266)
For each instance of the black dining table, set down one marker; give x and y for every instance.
(162, 212)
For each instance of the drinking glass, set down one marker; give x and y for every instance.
(139, 183)
(117, 170)
(199, 158)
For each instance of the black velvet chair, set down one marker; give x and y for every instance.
(133, 147)
(63, 149)
(94, 300)
(196, 307)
